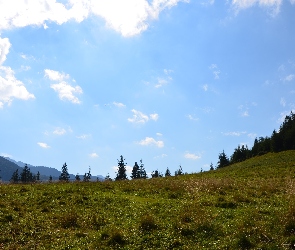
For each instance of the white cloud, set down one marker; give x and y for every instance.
(55, 75)
(216, 72)
(205, 87)
(43, 145)
(154, 117)
(166, 79)
(289, 78)
(161, 82)
(129, 17)
(192, 156)
(151, 141)
(159, 134)
(244, 4)
(234, 133)
(160, 156)
(93, 155)
(59, 131)
(10, 87)
(6, 155)
(83, 137)
(66, 92)
(192, 117)
(119, 104)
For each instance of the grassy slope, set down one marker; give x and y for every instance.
(247, 205)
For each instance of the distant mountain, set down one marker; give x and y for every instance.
(45, 172)
(7, 168)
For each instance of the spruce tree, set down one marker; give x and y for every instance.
(38, 176)
(223, 160)
(108, 178)
(77, 177)
(121, 174)
(87, 176)
(211, 167)
(179, 171)
(64, 176)
(167, 173)
(135, 172)
(50, 179)
(156, 174)
(142, 172)
(26, 175)
(15, 177)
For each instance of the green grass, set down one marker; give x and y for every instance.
(250, 205)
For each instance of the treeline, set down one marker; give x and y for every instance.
(281, 140)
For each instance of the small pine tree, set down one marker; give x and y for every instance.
(167, 173)
(179, 171)
(38, 176)
(142, 172)
(77, 177)
(15, 177)
(223, 160)
(121, 174)
(87, 176)
(156, 174)
(50, 179)
(135, 172)
(211, 167)
(26, 175)
(108, 178)
(64, 176)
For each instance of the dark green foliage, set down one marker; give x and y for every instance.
(64, 176)
(147, 223)
(50, 178)
(156, 174)
(26, 175)
(108, 178)
(223, 160)
(179, 171)
(240, 154)
(121, 171)
(142, 172)
(15, 177)
(211, 167)
(87, 176)
(167, 173)
(77, 177)
(135, 174)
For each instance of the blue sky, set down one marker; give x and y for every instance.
(170, 82)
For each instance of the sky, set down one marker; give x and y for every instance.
(171, 82)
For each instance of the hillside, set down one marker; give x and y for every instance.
(7, 168)
(249, 205)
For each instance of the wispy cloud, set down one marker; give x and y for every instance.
(65, 90)
(141, 118)
(288, 78)
(215, 70)
(192, 156)
(192, 117)
(234, 133)
(273, 5)
(94, 155)
(151, 141)
(119, 104)
(283, 102)
(164, 80)
(43, 145)
(205, 87)
(83, 137)
(59, 131)
(11, 88)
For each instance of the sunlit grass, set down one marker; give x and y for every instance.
(243, 206)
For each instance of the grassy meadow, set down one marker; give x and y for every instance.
(249, 205)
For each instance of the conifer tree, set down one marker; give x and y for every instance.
(223, 160)
(15, 176)
(50, 179)
(142, 172)
(211, 167)
(64, 176)
(77, 177)
(179, 171)
(156, 174)
(121, 174)
(167, 173)
(108, 178)
(38, 176)
(26, 175)
(87, 176)
(135, 172)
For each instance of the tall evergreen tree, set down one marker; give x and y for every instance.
(77, 177)
(211, 167)
(38, 176)
(64, 176)
(87, 176)
(15, 177)
(26, 175)
(223, 160)
(121, 174)
(142, 172)
(135, 174)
